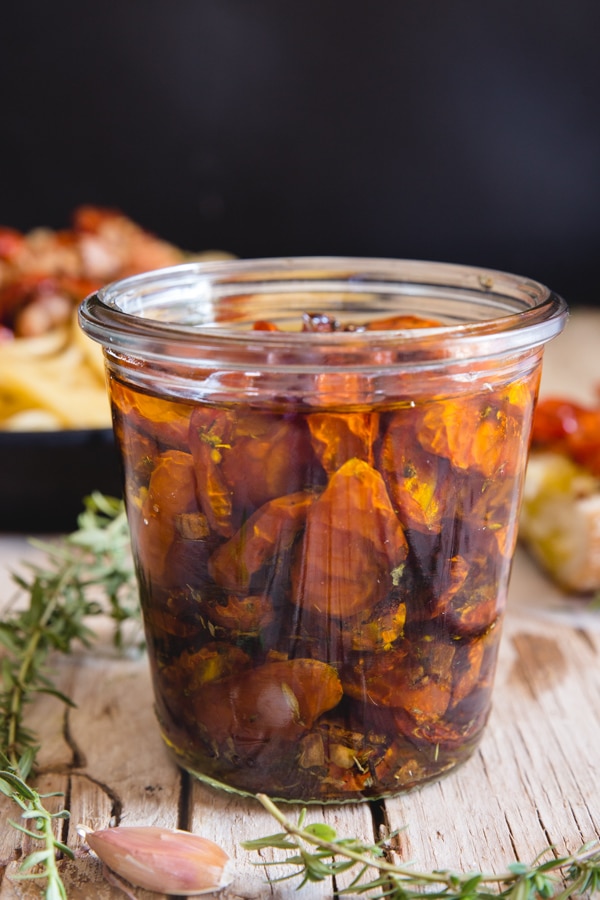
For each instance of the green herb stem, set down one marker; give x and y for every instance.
(26, 669)
(555, 878)
(86, 573)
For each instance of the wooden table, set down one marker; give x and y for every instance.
(534, 781)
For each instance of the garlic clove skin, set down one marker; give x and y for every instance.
(164, 860)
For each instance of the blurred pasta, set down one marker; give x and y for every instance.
(51, 374)
(52, 382)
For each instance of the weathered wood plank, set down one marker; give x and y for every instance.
(123, 773)
(534, 780)
(229, 820)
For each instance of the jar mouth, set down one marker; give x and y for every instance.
(207, 311)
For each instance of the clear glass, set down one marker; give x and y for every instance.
(323, 462)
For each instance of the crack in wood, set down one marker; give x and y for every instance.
(550, 846)
(511, 837)
(596, 825)
(268, 883)
(545, 831)
(382, 828)
(185, 800)
(116, 804)
(380, 819)
(587, 639)
(381, 831)
(78, 758)
(64, 825)
(481, 757)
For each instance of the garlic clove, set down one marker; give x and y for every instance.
(164, 860)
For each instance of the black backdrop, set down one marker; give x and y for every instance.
(462, 130)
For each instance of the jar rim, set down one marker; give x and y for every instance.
(512, 312)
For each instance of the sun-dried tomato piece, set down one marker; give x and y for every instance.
(417, 480)
(267, 457)
(267, 534)
(253, 713)
(264, 325)
(472, 433)
(245, 459)
(187, 674)
(483, 432)
(338, 437)
(239, 616)
(166, 423)
(415, 676)
(171, 492)
(376, 632)
(397, 323)
(474, 609)
(164, 622)
(195, 668)
(321, 322)
(493, 514)
(210, 433)
(466, 669)
(138, 453)
(352, 544)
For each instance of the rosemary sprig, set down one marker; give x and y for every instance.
(317, 853)
(86, 573)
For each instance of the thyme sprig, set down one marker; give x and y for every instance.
(41, 827)
(316, 853)
(87, 573)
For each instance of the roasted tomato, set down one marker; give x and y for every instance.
(569, 428)
(323, 579)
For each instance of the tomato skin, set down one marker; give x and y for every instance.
(570, 428)
(554, 420)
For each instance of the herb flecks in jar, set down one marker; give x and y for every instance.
(323, 463)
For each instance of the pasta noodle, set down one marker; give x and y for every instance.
(51, 374)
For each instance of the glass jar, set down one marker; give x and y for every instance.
(323, 462)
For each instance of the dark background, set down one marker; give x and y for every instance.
(462, 130)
